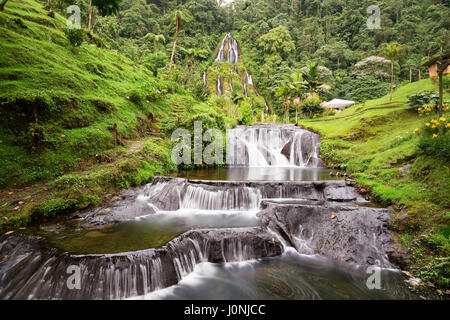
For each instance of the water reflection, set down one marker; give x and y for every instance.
(150, 231)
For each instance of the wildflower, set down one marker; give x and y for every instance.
(128, 98)
(442, 119)
(433, 126)
(447, 125)
(427, 124)
(417, 129)
(435, 136)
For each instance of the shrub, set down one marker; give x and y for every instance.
(438, 147)
(362, 88)
(247, 117)
(311, 107)
(75, 36)
(200, 91)
(152, 90)
(418, 100)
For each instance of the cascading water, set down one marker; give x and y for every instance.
(272, 145)
(291, 216)
(205, 78)
(229, 52)
(219, 86)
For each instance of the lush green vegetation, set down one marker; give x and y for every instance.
(71, 114)
(86, 113)
(387, 149)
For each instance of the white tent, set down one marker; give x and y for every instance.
(338, 104)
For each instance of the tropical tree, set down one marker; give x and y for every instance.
(236, 99)
(157, 39)
(180, 17)
(311, 79)
(392, 52)
(442, 61)
(192, 54)
(105, 8)
(293, 87)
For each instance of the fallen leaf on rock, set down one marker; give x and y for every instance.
(9, 232)
(439, 291)
(107, 209)
(333, 216)
(16, 208)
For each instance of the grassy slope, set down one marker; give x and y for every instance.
(376, 143)
(77, 95)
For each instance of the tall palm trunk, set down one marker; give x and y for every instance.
(441, 93)
(392, 79)
(173, 50)
(91, 16)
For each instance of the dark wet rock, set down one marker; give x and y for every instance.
(170, 194)
(31, 271)
(356, 235)
(397, 253)
(286, 151)
(401, 220)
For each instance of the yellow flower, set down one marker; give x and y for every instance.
(417, 129)
(435, 136)
(448, 125)
(442, 119)
(433, 126)
(427, 124)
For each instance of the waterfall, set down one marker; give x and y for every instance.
(273, 145)
(249, 79)
(230, 83)
(228, 50)
(240, 198)
(205, 78)
(219, 86)
(267, 110)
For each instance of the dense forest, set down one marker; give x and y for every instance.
(280, 37)
(88, 113)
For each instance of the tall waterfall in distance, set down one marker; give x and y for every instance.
(229, 52)
(273, 145)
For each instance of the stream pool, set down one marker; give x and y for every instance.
(290, 276)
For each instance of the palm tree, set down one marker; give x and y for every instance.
(157, 40)
(442, 60)
(180, 17)
(392, 52)
(236, 99)
(292, 87)
(191, 54)
(311, 79)
(285, 91)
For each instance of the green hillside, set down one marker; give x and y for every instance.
(377, 144)
(72, 133)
